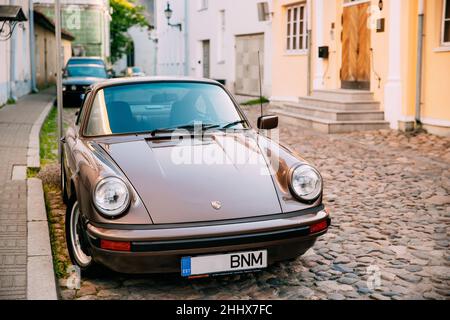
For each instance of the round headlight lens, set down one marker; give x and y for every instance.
(306, 183)
(111, 196)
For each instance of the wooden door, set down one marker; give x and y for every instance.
(206, 59)
(247, 67)
(355, 71)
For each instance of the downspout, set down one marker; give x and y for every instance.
(186, 37)
(419, 63)
(12, 58)
(32, 48)
(309, 32)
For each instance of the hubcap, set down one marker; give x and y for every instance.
(75, 235)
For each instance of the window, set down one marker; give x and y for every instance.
(446, 23)
(202, 4)
(297, 36)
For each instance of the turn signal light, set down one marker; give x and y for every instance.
(318, 227)
(115, 245)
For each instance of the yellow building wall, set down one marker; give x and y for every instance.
(45, 45)
(289, 79)
(436, 68)
(290, 72)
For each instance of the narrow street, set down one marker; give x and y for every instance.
(388, 193)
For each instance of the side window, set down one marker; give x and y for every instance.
(82, 111)
(98, 122)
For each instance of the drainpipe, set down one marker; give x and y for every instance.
(419, 62)
(32, 48)
(12, 58)
(309, 31)
(186, 37)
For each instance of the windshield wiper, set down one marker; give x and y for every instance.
(203, 127)
(235, 123)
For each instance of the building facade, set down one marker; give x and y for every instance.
(144, 44)
(370, 46)
(87, 20)
(45, 48)
(173, 42)
(218, 40)
(224, 42)
(15, 61)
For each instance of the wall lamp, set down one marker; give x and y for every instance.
(168, 12)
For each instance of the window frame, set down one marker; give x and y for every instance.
(289, 32)
(445, 3)
(203, 5)
(88, 105)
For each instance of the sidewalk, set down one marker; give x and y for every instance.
(16, 122)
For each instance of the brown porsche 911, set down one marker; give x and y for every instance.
(167, 175)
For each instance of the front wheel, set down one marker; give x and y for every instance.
(75, 237)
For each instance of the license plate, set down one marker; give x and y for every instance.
(223, 263)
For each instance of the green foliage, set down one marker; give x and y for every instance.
(49, 138)
(32, 172)
(256, 101)
(11, 101)
(125, 15)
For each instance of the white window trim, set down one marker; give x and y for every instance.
(443, 43)
(293, 52)
(354, 3)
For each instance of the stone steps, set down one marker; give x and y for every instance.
(334, 114)
(330, 126)
(334, 111)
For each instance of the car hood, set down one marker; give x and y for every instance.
(81, 80)
(183, 182)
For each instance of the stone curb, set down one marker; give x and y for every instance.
(33, 157)
(41, 282)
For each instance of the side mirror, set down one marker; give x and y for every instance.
(267, 122)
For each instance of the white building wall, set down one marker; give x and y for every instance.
(171, 50)
(241, 18)
(15, 70)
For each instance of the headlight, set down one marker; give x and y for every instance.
(64, 88)
(111, 197)
(306, 183)
(73, 88)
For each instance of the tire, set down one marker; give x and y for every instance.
(63, 182)
(75, 235)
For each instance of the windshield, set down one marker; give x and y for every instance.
(85, 71)
(146, 107)
(73, 61)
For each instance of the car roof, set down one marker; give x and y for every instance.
(86, 58)
(90, 65)
(127, 81)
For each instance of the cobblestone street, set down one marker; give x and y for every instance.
(389, 195)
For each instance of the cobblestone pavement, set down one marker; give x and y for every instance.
(15, 126)
(389, 195)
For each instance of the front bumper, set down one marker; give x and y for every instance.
(159, 249)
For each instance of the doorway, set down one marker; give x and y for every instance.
(206, 59)
(247, 64)
(355, 70)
